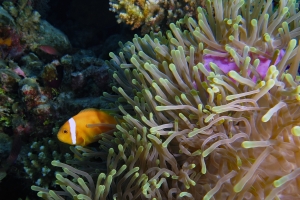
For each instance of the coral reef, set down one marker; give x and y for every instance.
(202, 130)
(36, 94)
(98, 74)
(35, 31)
(37, 163)
(89, 74)
(52, 74)
(9, 80)
(24, 105)
(153, 15)
(34, 82)
(37, 102)
(33, 93)
(10, 43)
(5, 143)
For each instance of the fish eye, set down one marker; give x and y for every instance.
(65, 131)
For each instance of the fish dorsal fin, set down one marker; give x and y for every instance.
(89, 109)
(107, 111)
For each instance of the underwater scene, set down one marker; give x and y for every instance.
(149, 99)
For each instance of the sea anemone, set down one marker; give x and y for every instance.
(201, 130)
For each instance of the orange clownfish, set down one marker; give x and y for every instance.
(83, 128)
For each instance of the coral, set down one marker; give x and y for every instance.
(9, 80)
(52, 74)
(98, 73)
(88, 75)
(5, 17)
(5, 118)
(9, 84)
(31, 64)
(133, 12)
(10, 43)
(31, 93)
(5, 143)
(197, 132)
(153, 14)
(34, 31)
(66, 60)
(21, 28)
(37, 102)
(37, 163)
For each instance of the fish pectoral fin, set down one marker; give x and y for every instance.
(101, 125)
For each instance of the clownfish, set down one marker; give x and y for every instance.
(83, 128)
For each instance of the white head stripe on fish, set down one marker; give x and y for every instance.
(72, 124)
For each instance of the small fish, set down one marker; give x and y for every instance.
(83, 128)
(19, 71)
(6, 41)
(49, 50)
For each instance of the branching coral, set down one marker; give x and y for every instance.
(202, 130)
(153, 14)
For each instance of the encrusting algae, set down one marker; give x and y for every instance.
(199, 130)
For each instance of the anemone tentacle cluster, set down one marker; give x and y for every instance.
(215, 110)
